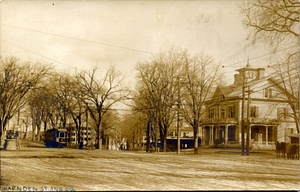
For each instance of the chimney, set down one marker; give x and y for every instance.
(260, 73)
(237, 79)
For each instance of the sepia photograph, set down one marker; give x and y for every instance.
(148, 95)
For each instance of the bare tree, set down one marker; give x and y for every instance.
(286, 79)
(201, 76)
(143, 103)
(133, 129)
(277, 24)
(274, 22)
(111, 126)
(15, 82)
(157, 81)
(101, 95)
(39, 106)
(76, 106)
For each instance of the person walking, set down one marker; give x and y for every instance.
(16, 136)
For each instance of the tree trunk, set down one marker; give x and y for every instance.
(295, 118)
(99, 139)
(165, 143)
(195, 127)
(156, 140)
(38, 132)
(148, 137)
(33, 130)
(2, 134)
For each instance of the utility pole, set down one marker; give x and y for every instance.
(243, 122)
(248, 123)
(178, 119)
(86, 117)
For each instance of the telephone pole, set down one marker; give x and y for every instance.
(248, 123)
(178, 119)
(87, 127)
(243, 122)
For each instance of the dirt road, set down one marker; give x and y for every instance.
(212, 169)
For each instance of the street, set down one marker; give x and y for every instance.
(38, 168)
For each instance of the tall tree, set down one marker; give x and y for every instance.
(101, 95)
(156, 80)
(39, 106)
(201, 75)
(286, 80)
(133, 129)
(16, 80)
(143, 104)
(276, 23)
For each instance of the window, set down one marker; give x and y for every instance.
(223, 113)
(248, 74)
(253, 111)
(211, 113)
(268, 93)
(290, 130)
(231, 111)
(281, 113)
(170, 134)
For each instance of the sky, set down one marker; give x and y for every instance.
(75, 35)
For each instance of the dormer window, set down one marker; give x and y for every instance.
(268, 93)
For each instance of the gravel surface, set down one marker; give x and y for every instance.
(38, 168)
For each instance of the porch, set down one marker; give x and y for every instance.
(219, 135)
(263, 136)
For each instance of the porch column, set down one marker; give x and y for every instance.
(226, 134)
(216, 132)
(273, 134)
(210, 138)
(211, 135)
(267, 135)
(203, 136)
(250, 138)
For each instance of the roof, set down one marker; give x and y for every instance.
(226, 90)
(255, 85)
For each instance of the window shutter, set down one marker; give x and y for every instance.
(285, 113)
(257, 112)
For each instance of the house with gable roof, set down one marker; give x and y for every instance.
(269, 117)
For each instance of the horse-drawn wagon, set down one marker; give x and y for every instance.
(290, 149)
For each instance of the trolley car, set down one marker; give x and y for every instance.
(56, 138)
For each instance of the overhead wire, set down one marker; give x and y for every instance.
(253, 58)
(226, 60)
(36, 53)
(273, 85)
(235, 54)
(78, 39)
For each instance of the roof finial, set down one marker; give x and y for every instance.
(248, 63)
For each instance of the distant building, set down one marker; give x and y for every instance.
(186, 131)
(269, 119)
(87, 136)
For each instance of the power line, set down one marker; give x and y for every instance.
(274, 84)
(235, 54)
(37, 54)
(78, 39)
(253, 58)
